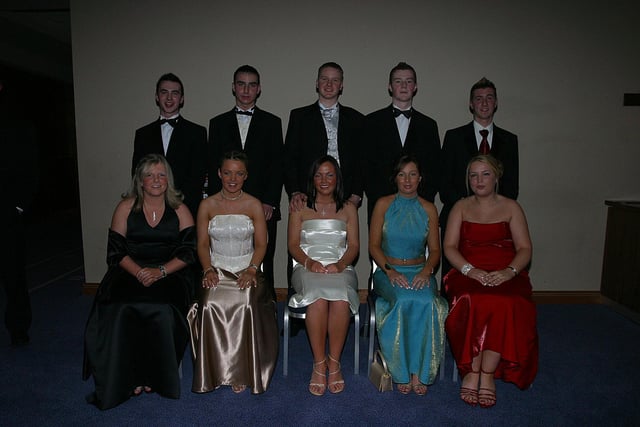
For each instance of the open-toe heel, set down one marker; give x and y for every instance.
(338, 385)
(470, 395)
(318, 389)
(404, 388)
(487, 396)
(238, 388)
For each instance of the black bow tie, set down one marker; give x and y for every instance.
(172, 122)
(244, 113)
(406, 113)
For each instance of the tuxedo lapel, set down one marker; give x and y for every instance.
(498, 142)
(254, 128)
(470, 143)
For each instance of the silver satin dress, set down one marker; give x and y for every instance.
(324, 240)
(234, 332)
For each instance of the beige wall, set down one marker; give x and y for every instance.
(561, 71)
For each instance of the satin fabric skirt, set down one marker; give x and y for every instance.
(311, 287)
(234, 336)
(410, 325)
(500, 318)
(134, 344)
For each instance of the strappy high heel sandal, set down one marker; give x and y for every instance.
(336, 386)
(418, 388)
(486, 396)
(318, 389)
(470, 395)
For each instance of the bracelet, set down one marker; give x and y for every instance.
(163, 271)
(512, 268)
(305, 263)
(204, 273)
(253, 266)
(466, 269)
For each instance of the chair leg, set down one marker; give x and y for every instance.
(372, 335)
(356, 344)
(285, 355)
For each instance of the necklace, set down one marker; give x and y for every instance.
(231, 198)
(323, 212)
(154, 215)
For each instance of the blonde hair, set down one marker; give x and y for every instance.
(494, 164)
(172, 196)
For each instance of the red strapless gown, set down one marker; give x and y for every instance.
(501, 318)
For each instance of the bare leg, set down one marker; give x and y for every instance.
(487, 390)
(471, 382)
(316, 321)
(338, 327)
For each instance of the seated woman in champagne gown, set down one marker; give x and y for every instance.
(410, 313)
(323, 240)
(137, 333)
(492, 321)
(234, 331)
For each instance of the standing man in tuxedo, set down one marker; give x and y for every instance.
(258, 134)
(182, 142)
(481, 136)
(324, 127)
(19, 179)
(396, 130)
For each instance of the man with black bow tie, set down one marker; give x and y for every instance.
(324, 127)
(396, 130)
(258, 134)
(182, 142)
(480, 136)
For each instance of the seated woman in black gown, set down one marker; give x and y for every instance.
(137, 331)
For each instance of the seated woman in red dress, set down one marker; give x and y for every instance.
(492, 321)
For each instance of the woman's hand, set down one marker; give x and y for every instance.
(421, 280)
(315, 266)
(210, 278)
(498, 277)
(337, 267)
(148, 276)
(397, 279)
(247, 279)
(478, 275)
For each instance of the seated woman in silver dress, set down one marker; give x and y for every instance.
(323, 240)
(234, 332)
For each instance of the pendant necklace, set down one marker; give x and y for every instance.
(231, 198)
(153, 214)
(323, 212)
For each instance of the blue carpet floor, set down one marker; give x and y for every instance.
(588, 372)
(587, 376)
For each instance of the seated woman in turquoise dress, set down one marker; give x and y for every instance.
(234, 331)
(492, 322)
(410, 313)
(323, 240)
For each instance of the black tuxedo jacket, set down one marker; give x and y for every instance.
(383, 149)
(186, 155)
(263, 147)
(306, 141)
(458, 148)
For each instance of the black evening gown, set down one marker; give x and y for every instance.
(137, 335)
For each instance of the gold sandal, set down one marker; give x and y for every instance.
(336, 386)
(321, 387)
